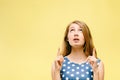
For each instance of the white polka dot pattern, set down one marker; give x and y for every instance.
(74, 71)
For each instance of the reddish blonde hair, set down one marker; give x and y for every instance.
(88, 46)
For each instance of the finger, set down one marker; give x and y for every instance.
(88, 58)
(94, 50)
(58, 53)
(61, 59)
(59, 63)
(56, 63)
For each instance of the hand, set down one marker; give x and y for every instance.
(58, 62)
(93, 61)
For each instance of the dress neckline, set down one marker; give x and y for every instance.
(76, 62)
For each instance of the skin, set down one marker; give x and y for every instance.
(76, 40)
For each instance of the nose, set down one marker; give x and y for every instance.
(76, 33)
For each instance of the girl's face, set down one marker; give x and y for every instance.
(75, 36)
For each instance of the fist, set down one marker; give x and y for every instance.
(58, 61)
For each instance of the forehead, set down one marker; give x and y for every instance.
(74, 25)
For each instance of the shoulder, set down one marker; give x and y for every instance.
(101, 64)
(65, 58)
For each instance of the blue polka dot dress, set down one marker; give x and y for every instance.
(75, 71)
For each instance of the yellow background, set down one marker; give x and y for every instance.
(32, 30)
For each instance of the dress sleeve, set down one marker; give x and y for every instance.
(98, 61)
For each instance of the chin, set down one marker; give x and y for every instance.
(77, 45)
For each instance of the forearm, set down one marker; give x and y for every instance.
(96, 75)
(56, 76)
(98, 72)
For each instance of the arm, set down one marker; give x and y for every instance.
(99, 72)
(56, 67)
(54, 73)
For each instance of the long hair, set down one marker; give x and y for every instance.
(88, 45)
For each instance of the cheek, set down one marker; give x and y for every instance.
(82, 37)
(70, 37)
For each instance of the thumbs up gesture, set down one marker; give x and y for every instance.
(58, 61)
(93, 60)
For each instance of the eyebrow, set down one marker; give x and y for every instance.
(73, 27)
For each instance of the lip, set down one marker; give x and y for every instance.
(76, 39)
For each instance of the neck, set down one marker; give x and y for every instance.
(77, 52)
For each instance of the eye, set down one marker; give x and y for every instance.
(80, 29)
(71, 30)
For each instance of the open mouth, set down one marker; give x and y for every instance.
(75, 39)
